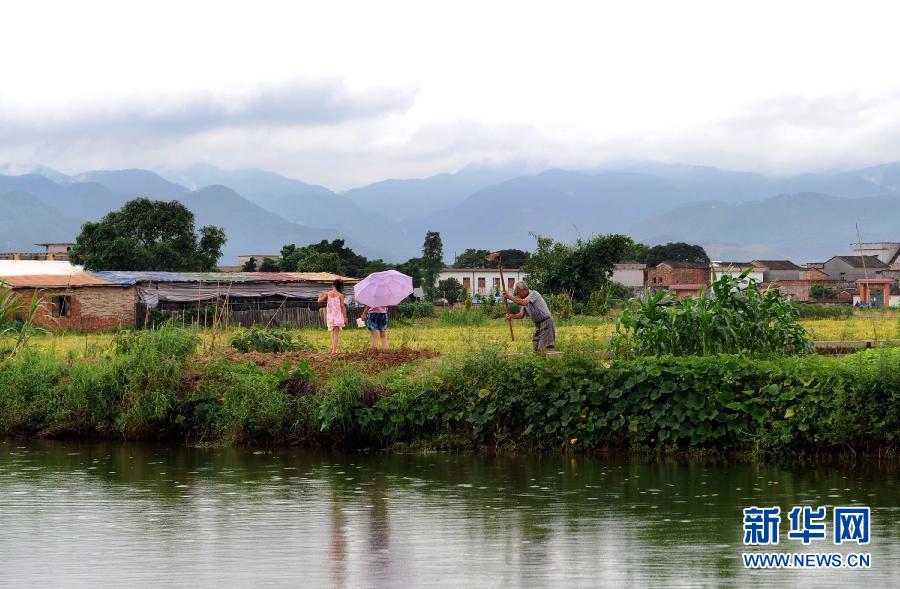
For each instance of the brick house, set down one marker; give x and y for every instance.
(669, 273)
(78, 301)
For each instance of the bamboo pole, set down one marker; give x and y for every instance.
(504, 287)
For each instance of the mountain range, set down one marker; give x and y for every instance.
(735, 215)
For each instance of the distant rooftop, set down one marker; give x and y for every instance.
(776, 264)
(861, 261)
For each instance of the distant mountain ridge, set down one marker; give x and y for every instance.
(805, 216)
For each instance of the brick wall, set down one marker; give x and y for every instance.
(664, 275)
(90, 308)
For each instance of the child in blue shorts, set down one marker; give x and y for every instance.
(376, 320)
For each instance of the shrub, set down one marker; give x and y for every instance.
(560, 305)
(816, 311)
(736, 319)
(268, 340)
(416, 310)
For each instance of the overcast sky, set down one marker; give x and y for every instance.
(345, 93)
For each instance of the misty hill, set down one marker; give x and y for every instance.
(134, 183)
(26, 220)
(804, 227)
(707, 183)
(406, 199)
(563, 204)
(250, 228)
(305, 204)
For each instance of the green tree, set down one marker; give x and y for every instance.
(451, 290)
(148, 235)
(472, 258)
(269, 265)
(476, 258)
(412, 267)
(432, 262)
(577, 269)
(821, 292)
(677, 252)
(249, 265)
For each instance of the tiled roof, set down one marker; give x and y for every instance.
(857, 261)
(776, 264)
(680, 264)
(129, 278)
(54, 281)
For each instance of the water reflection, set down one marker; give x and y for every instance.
(116, 513)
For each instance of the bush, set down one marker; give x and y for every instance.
(560, 305)
(816, 311)
(267, 340)
(736, 319)
(416, 310)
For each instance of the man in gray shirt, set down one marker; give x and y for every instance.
(536, 308)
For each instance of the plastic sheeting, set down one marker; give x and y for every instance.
(202, 292)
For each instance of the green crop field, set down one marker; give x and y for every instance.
(579, 333)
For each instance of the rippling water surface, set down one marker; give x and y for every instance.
(116, 514)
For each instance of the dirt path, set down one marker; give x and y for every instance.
(369, 361)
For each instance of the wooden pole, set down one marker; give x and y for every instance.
(505, 302)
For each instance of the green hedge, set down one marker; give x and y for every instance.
(152, 388)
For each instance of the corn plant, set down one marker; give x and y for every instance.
(736, 318)
(19, 319)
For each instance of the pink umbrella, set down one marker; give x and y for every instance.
(383, 289)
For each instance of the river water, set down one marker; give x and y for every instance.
(117, 514)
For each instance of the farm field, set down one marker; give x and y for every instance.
(579, 333)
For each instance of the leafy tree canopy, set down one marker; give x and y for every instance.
(148, 235)
(475, 258)
(451, 290)
(678, 252)
(432, 262)
(577, 269)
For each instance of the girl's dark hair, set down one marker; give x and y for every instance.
(338, 285)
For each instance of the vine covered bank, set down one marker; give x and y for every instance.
(154, 385)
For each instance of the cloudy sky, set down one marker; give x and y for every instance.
(345, 93)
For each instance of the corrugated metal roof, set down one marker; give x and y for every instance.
(129, 278)
(54, 281)
(42, 267)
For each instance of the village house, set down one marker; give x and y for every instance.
(735, 269)
(76, 301)
(886, 251)
(241, 298)
(482, 281)
(778, 270)
(630, 273)
(852, 268)
(669, 273)
(52, 252)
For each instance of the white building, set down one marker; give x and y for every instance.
(630, 273)
(735, 269)
(482, 280)
(886, 251)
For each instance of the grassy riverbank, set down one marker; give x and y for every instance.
(167, 384)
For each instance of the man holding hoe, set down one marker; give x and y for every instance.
(536, 308)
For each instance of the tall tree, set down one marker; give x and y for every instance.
(677, 252)
(249, 265)
(412, 267)
(578, 269)
(148, 235)
(432, 262)
(450, 290)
